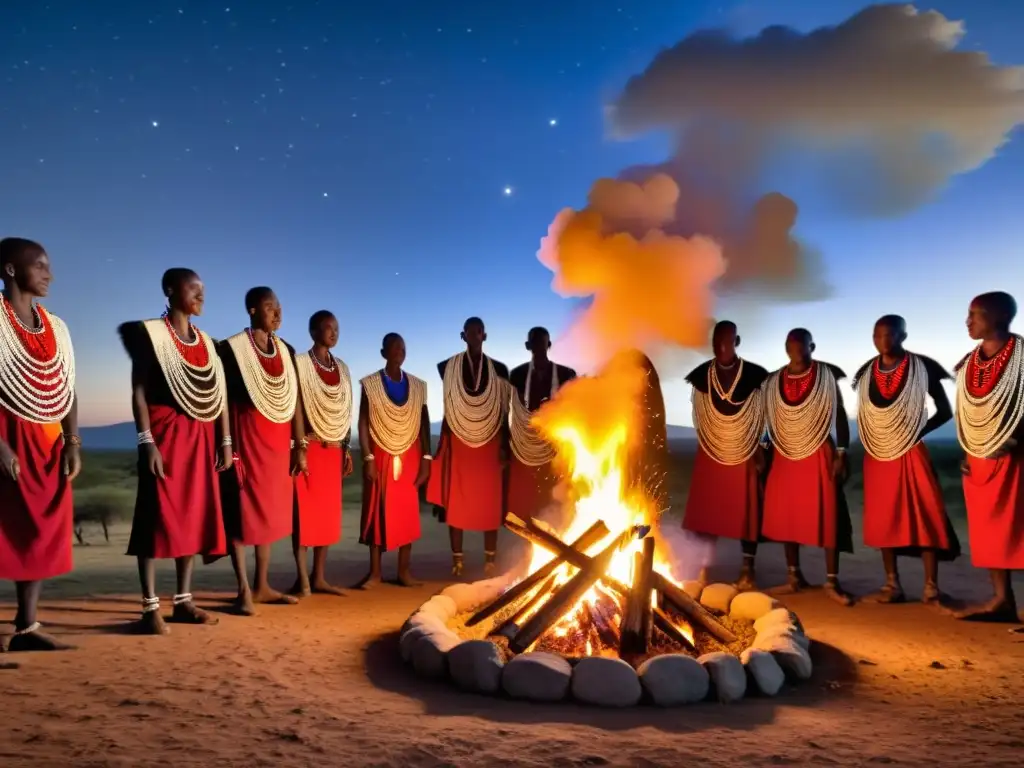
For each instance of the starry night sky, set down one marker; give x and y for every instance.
(398, 163)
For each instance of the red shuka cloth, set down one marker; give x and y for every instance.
(467, 483)
(181, 514)
(994, 495)
(903, 504)
(391, 508)
(724, 500)
(36, 513)
(318, 497)
(257, 493)
(803, 504)
(529, 488)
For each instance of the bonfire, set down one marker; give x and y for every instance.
(599, 585)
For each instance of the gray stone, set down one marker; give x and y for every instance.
(605, 682)
(693, 589)
(442, 606)
(768, 634)
(775, 616)
(462, 595)
(430, 652)
(751, 606)
(427, 620)
(674, 679)
(537, 677)
(408, 639)
(718, 597)
(764, 670)
(727, 674)
(475, 665)
(791, 656)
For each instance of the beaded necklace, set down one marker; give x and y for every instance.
(269, 380)
(728, 440)
(192, 370)
(990, 399)
(888, 433)
(888, 382)
(394, 428)
(800, 410)
(37, 366)
(326, 396)
(474, 419)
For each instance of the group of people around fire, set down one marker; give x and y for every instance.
(244, 442)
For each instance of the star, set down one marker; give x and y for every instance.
(155, 123)
(325, 194)
(508, 191)
(553, 122)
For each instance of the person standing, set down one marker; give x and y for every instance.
(326, 394)
(804, 502)
(531, 474)
(394, 438)
(468, 480)
(39, 441)
(269, 436)
(904, 512)
(728, 413)
(990, 427)
(179, 404)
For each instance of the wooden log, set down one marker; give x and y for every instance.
(589, 538)
(674, 595)
(511, 625)
(637, 617)
(663, 622)
(694, 611)
(604, 621)
(567, 595)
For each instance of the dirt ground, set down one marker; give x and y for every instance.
(322, 684)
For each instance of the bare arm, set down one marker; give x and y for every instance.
(140, 406)
(298, 421)
(364, 426)
(69, 426)
(842, 422)
(943, 409)
(425, 430)
(224, 422)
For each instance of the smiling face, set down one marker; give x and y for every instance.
(188, 295)
(266, 315)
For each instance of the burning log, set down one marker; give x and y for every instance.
(663, 622)
(511, 625)
(637, 618)
(590, 537)
(604, 621)
(693, 610)
(569, 593)
(672, 594)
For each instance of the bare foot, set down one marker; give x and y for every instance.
(243, 605)
(490, 567)
(406, 580)
(746, 582)
(300, 589)
(152, 623)
(931, 595)
(887, 595)
(836, 594)
(795, 582)
(368, 581)
(190, 613)
(268, 596)
(457, 567)
(995, 610)
(321, 587)
(36, 640)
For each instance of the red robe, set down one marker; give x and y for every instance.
(257, 491)
(391, 506)
(468, 483)
(36, 513)
(994, 490)
(528, 488)
(179, 515)
(318, 494)
(903, 504)
(803, 504)
(725, 500)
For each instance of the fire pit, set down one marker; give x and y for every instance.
(595, 610)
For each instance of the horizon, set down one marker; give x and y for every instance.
(404, 178)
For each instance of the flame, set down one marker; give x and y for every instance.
(594, 423)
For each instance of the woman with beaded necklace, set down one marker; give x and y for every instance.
(326, 390)
(39, 443)
(531, 474)
(804, 504)
(904, 512)
(179, 402)
(270, 445)
(990, 428)
(394, 438)
(467, 484)
(728, 413)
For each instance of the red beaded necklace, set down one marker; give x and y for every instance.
(273, 364)
(195, 352)
(888, 382)
(39, 342)
(982, 375)
(795, 388)
(329, 376)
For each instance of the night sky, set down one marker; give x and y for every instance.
(399, 162)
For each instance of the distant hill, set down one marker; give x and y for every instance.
(122, 436)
